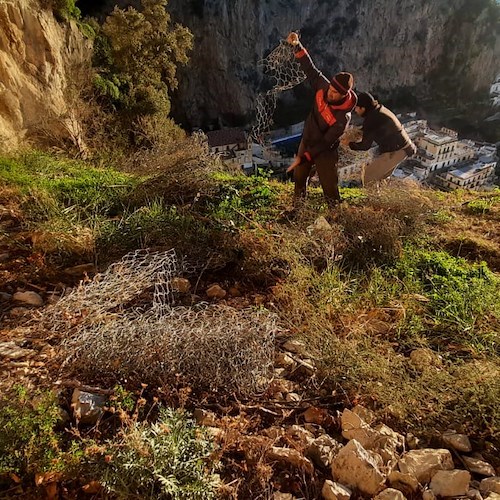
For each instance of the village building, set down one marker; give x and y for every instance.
(438, 150)
(474, 175)
(441, 159)
(231, 145)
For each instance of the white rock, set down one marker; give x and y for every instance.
(292, 457)
(459, 442)
(388, 437)
(403, 481)
(350, 420)
(382, 439)
(319, 225)
(364, 413)
(390, 494)
(479, 466)
(87, 407)
(298, 433)
(428, 495)
(335, 491)
(354, 427)
(423, 463)
(493, 496)
(450, 483)
(323, 450)
(30, 298)
(490, 485)
(358, 468)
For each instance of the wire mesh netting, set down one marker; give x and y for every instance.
(124, 323)
(282, 67)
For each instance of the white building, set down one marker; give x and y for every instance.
(440, 150)
(471, 176)
(232, 146)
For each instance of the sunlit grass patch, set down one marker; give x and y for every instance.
(71, 182)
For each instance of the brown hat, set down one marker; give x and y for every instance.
(343, 82)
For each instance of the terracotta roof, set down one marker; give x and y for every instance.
(225, 136)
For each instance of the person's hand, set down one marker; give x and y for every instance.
(296, 163)
(293, 38)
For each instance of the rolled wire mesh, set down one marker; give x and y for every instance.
(111, 291)
(217, 348)
(281, 66)
(108, 331)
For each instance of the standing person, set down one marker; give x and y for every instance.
(382, 126)
(331, 113)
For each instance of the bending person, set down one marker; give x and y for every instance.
(382, 126)
(331, 113)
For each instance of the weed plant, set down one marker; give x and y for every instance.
(169, 459)
(29, 442)
(463, 307)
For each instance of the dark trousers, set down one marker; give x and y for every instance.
(326, 166)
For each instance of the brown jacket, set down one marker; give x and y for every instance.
(382, 126)
(326, 122)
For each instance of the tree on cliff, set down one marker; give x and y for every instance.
(137, 54)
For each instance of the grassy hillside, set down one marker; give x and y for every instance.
(394, 295)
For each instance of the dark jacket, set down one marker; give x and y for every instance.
(326, 122)
(382, 126)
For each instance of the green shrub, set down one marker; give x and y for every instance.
(240, 198)
(169, 459)
(463, 302)
(64, 10)
(161, 226)
(142, 68)
(479, 207)
(29, 443)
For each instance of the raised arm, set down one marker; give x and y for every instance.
(314, 75)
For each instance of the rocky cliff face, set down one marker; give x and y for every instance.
(429, 47)
(437, 51)
(36, 54)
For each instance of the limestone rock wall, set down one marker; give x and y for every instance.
(36, 54)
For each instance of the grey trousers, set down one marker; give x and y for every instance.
(382, 166)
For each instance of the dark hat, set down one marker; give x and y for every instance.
(366, 100)
(343, 82)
